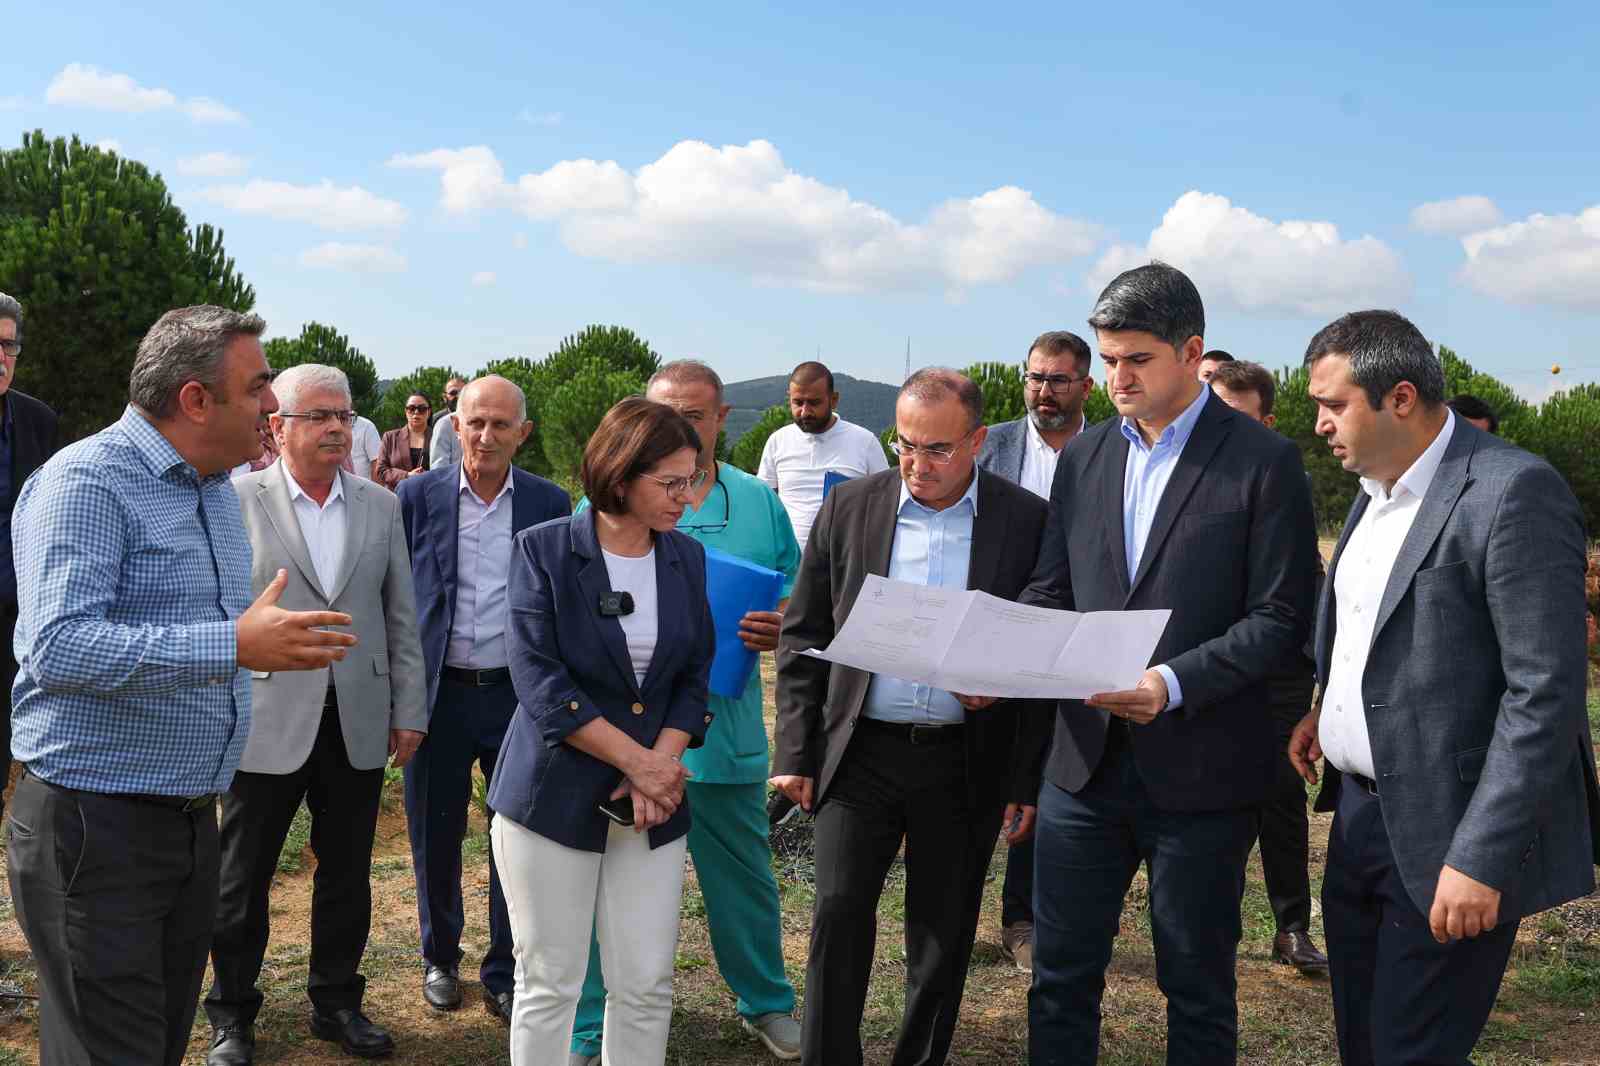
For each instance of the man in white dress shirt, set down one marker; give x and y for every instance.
(444, 444)
(798, 458)
(365, 444)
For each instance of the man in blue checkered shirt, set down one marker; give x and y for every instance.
(132, 705)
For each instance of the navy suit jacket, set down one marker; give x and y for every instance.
(428, 506)
(570, 666)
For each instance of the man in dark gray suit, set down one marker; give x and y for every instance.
(1055, 384)
(1450, 645)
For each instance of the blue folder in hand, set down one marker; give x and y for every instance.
(736, 587)
(830, 479)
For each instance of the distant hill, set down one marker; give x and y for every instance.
(866, 403)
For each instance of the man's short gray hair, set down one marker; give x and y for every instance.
(294, 382)
(186, 344)
(687, 372)
(10, 308)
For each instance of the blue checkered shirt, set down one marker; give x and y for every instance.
(131, 569)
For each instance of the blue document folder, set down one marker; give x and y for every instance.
(735, 588)
(830, 479)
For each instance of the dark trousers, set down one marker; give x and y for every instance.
(1088, 846)
(467, 726)
(887, 790)
(116, 898)
(8, 677)
(1285, 829)
(1399, 996)
(256, 813)
(1016, 891)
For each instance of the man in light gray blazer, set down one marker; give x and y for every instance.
(1450, 645)
(321, 736)
(1055, 384)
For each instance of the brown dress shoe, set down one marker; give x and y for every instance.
(1016, 944)
(1297, 949)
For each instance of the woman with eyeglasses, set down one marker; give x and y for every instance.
(610, 643)
(405, 450)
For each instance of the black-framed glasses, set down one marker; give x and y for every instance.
(417, 408)
(678, 486)
(13, 348)
(939, 454)
(320, 418)
(1053, 382)
(713, 527)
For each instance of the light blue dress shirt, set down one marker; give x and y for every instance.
(932, 548)
(1144, 482)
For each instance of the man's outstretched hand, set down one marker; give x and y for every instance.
(271, 638)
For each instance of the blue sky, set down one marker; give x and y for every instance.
(750, 185)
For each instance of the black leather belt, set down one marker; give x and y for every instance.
(916, 733)
(481, 678)
(1367, 784)
(186, 804)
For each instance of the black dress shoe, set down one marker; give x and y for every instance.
(1297, 949)
(441, 988)
(499, 1005)
(353, 1031)
(232, 1045)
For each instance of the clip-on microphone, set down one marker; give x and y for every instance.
(615, 604)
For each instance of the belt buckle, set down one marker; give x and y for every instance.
(930, 733)
(196, 803)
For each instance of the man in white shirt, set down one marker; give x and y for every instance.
(798, 458)
(365, 443)
(1450, 644)
(444, 446)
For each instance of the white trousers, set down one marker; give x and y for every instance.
(630, 897)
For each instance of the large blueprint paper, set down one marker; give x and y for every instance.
(970, 642)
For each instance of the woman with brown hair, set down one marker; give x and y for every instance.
(405, 450)
(610, 641)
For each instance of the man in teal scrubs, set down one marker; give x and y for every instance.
(736, 513)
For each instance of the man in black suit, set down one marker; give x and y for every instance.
(27, 439)
(883, 760)
(1184, 504)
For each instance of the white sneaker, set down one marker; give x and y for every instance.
(779, 1032)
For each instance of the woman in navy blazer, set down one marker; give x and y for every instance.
(609, 695)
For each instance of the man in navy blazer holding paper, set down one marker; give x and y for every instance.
(459, 523)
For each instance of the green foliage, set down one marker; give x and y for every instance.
(96, 250)
(1002, 391)
(888, 453)
(1518, 418)
(746, 453)
(618, 347)
(428, 380)
(1567, 434)
(324, 344)
(1097, 406)
(570, 413)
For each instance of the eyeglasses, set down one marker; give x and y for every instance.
(319, 418)
(678, 486)
(11, 348)
(939, 454)
(417, 408)
(1053, 382)
(713, 527)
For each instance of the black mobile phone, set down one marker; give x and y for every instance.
(619, 811)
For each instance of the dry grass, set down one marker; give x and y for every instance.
(1549, 1010)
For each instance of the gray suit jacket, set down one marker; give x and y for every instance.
(1004, 448)
(1474, 686)
(380, 682)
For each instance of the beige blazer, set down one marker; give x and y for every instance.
(380, 683)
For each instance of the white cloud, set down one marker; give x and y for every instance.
(82, 85)
(519, 241)
(1543, 259)
(213, 165)
(483, 278)
(110, 144)
(1240, 259)
(741, 208)
(324, 205)
(540, 118)
(1452, 218)
(358, 258)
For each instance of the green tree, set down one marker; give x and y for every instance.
(96, 250)
(324, 344)
(390, 412)
(1097, 406)
(1002, 391)
(618, 347)
(1519, 420)
(1568, 429)
(746, 451)
(571, 412)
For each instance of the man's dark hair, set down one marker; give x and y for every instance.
(1239, 375)
(1384, 349)
(933, 383)
(810, 371)
(1469, 406)
(1217, 355)
(1156, 299)
(1059, 342)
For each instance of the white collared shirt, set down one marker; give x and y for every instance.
(795, 464)
(1359, 580)
(1039, 459)
(483, 561)
(323, 528)
(365, 444)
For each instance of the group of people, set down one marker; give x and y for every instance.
(184, 637)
